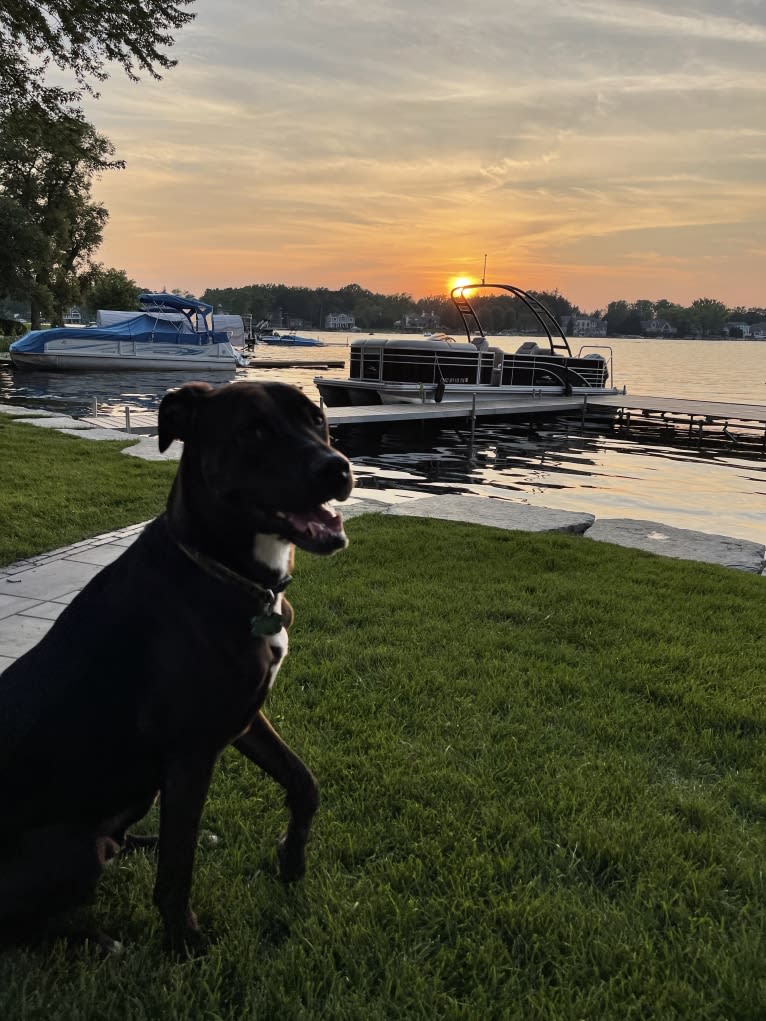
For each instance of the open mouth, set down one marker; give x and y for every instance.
(318, 530)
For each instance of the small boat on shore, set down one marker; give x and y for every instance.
(416, 370)
(170, 332)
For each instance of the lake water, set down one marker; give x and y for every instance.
(706, 488)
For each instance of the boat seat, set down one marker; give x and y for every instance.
(531, 347)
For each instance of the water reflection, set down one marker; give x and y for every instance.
(600, 474)
(74, 393)
(649, 472)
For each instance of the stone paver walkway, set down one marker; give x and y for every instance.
(34, 592)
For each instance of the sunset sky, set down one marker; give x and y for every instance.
(607, 148)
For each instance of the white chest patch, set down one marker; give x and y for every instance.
(278, 645)
(275, 552)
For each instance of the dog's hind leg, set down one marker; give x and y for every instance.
(264, 747)
(47, 872)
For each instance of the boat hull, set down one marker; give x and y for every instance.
(291, 342)
(344, 393)
(405, 371)
(127, 356)
(171, 332)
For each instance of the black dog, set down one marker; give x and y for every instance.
(166, 657)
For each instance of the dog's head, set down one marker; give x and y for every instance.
(259, 455)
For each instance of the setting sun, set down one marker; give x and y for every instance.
(460, 282)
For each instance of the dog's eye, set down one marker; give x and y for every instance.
(319, 420)
(253, 433)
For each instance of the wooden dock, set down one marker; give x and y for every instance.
(292, 363)
(688, 406)
(635, 415)
(391, 413)
(382, 414)
(718, 426)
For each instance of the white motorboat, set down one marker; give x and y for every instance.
(170, 332)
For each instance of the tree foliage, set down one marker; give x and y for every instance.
(704, 317)
(280, 304)
(709, 315)
(49, 160)
(49, 154)
(24, 246)
(109, 288)
(82, 37)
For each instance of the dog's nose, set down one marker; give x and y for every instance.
(334, 474)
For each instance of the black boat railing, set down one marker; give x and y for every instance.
(548, 322)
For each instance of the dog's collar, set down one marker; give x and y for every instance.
(265, 621)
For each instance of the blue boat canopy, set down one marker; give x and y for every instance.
(141, 328)
(164, 302)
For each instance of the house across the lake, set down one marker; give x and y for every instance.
(657, 328)
(737, 329)
(417, 322)
(339, 321)
(584, 326)
(73, 317)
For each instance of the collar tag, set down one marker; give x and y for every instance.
(267, 623)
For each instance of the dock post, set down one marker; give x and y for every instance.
(584, 411)
(473, 425)
(95, 407)
(127, 420)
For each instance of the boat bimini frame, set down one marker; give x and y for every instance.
(547, 320)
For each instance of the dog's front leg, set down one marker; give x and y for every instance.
(263, 746)
(184, 788)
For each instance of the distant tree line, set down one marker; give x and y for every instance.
(496, 312)
(704, 317)
(278, 304)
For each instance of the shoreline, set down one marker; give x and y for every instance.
(34, 591)
(637, 533)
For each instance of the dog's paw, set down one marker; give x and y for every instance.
(183, 937)
(185, 944)
(292, 860)
(78, 939)
(107, 849)
(106, 946)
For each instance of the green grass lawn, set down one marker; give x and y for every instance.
(56, 489)
(542, 770)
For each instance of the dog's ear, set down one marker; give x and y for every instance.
(177, 409)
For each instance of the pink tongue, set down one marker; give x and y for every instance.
(315, 521)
